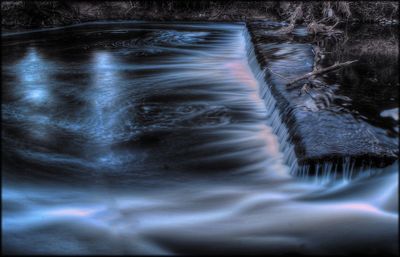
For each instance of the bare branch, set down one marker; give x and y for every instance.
(321, 71)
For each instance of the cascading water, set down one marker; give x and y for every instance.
(165, 138)
(274, 116)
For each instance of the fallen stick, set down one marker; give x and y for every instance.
(321, 71)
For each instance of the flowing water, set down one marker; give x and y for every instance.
(157, 138)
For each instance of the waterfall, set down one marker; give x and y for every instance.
(274, 118)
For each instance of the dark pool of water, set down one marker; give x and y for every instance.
(373, 83)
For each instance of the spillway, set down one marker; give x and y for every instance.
(173, 138)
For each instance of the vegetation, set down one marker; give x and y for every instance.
(318, 14)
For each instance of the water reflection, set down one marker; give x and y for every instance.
(103, 95)
(33, 74)
(33, 89)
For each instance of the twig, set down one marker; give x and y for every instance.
(321, 71)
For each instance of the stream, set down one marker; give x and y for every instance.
(155, 138)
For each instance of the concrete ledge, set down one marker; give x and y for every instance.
(326, 137)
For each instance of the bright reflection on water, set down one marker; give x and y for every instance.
(34, 92)
(153, 139)
(33, 77)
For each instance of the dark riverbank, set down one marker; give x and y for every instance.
(20, 15)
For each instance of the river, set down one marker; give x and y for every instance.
(155, 138)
